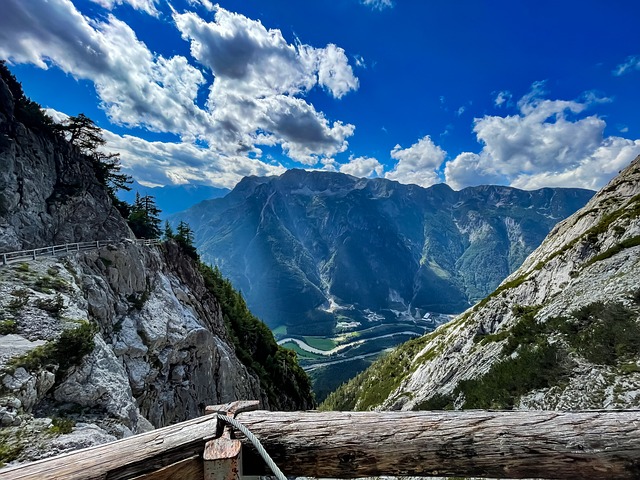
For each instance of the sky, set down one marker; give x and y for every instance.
(530, 94)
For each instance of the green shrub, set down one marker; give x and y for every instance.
(19, 300)
(54, 305)
(8, 326)
(48, 283)
(9, 452)
(60, 426)
(67, 351)
(23, 267)
(603, 333)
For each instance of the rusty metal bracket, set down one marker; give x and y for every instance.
(223, 456)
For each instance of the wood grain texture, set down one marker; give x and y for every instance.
(188, 469)
(518, 444)
(126, 458)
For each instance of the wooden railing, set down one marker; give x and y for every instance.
(514, 444)
(59, 250)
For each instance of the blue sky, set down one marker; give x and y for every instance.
(521, 93)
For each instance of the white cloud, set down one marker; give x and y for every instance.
(362, 167)
(378, 4)
(148, 6)
(502, 98)
(417, 164)
(135, 86)
(470, 169)
(544, 145)
(460, 111)
(630, 64)
(255, 98)
(360, 62)
(257, 77)
(166, 163)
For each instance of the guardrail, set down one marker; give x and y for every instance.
(61, 250)
(475, 443)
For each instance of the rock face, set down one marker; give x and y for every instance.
(49, 194)
(562, 332)
(106, 343)
(303, 243)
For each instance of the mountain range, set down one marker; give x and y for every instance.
(562, 332)
(311, 249)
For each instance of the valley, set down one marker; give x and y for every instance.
(331, 360)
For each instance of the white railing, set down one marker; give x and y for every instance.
(60, 250)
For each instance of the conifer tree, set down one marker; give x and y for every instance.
(184, 237)
(168, 231)
(82, 132)
(144, 218)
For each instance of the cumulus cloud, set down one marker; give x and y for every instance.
(417, 164)
(545, 144)
(362, 167)
(378, 4)
(148, 6)
(167, 163)
(256, 97)
(630, 64)
(136, 87)
(257, 77)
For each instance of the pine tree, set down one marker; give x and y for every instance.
(184, 238)
(82, 132)
(144, 218)
(168, 231)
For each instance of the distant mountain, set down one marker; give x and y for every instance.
(310, 249)
(562, 332)
(174, 198)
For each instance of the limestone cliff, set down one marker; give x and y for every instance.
(49, 193)
(106, 343)
(562, 332)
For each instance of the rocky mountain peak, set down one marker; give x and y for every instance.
(561, 332)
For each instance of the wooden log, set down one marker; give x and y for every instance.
(188, 469)
(126, 458)
(516, 444)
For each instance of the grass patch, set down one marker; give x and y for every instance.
(8, 452)
(617, 248)
(47, 284)
(61, 426)
(23, 267)
(281, 331)
(320, 343)
(303, 354)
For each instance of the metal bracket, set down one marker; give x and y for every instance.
(223, 455)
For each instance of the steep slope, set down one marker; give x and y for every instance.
(102, 344)
(562, 332)
(302, 245)
(49, 193)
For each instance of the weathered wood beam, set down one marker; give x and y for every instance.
(516, 444)
(126, 458)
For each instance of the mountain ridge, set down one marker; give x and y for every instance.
(561, 332)
(309, 235)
